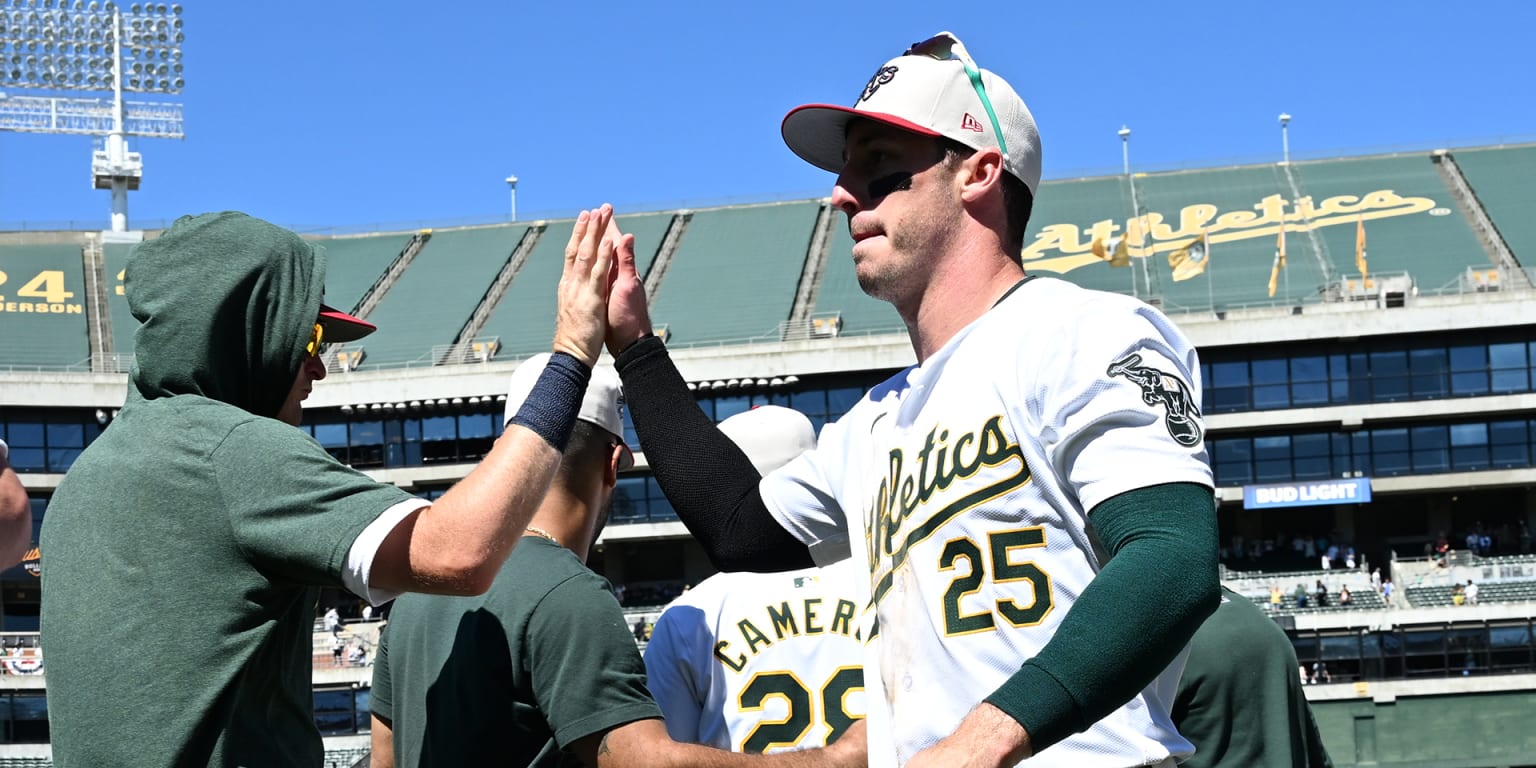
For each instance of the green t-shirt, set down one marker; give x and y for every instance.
(1240, 700)
(544, 656)
(187, 544)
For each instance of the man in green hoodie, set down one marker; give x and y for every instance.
(187, 544)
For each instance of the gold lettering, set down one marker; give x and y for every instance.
(1149, 234)
(842, 618)
(739, 663)
(783, 620)
(753, 636)
(811, 604)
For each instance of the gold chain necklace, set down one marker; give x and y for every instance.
(543, 534)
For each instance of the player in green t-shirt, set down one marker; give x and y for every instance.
(1240, 700)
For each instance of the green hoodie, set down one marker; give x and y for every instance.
(186, 546)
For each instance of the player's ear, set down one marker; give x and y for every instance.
(981, 174)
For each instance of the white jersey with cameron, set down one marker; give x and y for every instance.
(761, 662)
(963, 485)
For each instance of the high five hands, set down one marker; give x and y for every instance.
(601, 296)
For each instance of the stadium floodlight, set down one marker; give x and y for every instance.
(71, 45)
(1285, 138)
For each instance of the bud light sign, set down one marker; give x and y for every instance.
(1351, 491)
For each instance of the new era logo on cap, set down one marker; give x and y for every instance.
(927, 95)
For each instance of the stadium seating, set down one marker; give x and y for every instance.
(734, 275)
(436, 295)
(1434, 248)
(353, 264)
(525, 314)
(43, 307)
(1501, 179)
(1490, 592)
(115, 261)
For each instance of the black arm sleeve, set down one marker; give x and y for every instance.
(710, 482)
(1133, 618)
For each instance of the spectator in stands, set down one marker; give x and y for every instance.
(1275, 598)
(1386, 591)
(1376, 580)
(1458, 595)
(1471, 592)
(1322, 594)
(1320, 673)
(204, 505)
(1239, 701)
(15, 513)
(1442, 548)
(539, 670)
(358, 656)
(337, 646)
(1301, 668)
(1525, 538)
(332, 620)
(1301, 596)
(640, 629)
(1349, 558)
(1344, 596)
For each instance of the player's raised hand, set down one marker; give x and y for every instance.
(581, 319)
(628, 316)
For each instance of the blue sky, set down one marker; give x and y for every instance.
(393, 114)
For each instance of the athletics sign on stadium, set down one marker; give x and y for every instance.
(1351, 491)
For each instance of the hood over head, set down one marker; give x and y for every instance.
(227, 303)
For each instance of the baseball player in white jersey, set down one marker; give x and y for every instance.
(1031, 502)
(763, 662)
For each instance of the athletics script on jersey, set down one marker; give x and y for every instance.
(907, 488)
(1062, 248)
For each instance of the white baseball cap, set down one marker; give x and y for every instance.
(602, 406)
(926, 91)
(770, 435)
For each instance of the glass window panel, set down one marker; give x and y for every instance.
(1429, 374)
(1506, 355)
(28, 459)
(1309, 368)
(1271, 396)
(475, 425)
(60, 459)
(25, 434)
(1389, 375)
(1234, 374)
(1278, 471)
(29, 718)
(1359, 378)
(439, 428)
(1272, 447)
(1469, 434)
(331, 435)
(1510, 636)
(1228, 399)
(1273, 371)
(66, 435)
(1472, 357)
(728, 406)
(842, 400)
(1340, 647)
(810, 402)
(1424, 641)
(368, 433)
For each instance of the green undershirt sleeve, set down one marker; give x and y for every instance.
(1133, 618)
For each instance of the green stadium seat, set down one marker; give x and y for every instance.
(437, 294)
(1501, 179)
(524, 318)
(354, 264)
(735, 272)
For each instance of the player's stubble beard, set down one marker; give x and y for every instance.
(914, 237)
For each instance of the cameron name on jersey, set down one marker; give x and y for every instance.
(788, 619)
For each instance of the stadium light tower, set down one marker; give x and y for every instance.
(1285, 137)
(48, 46)
(512, 182)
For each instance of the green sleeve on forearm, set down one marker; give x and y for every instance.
(1133, 618)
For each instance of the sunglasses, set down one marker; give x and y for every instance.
(946, 47)
(316, 338)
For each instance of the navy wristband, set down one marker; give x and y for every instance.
(551, 406)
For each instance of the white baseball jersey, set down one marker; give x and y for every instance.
(762, 662)
(963, 485)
